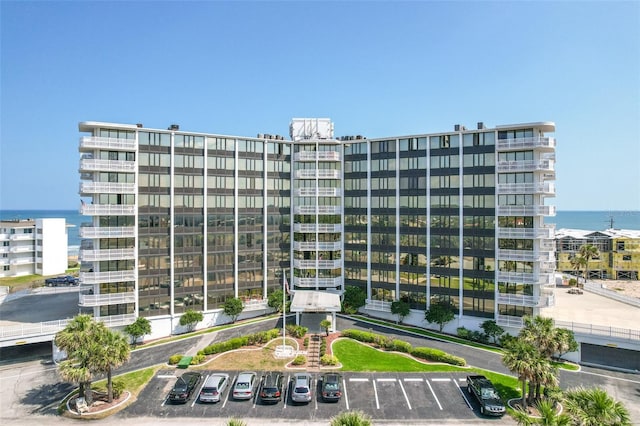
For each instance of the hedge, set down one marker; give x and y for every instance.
(436, 355)
(238, 342)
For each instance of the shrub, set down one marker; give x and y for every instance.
(296, 331)
(327, 359)
(118, 388)
(383, 341)
(473, 335)
(359, 335)
(174, 359)
(436, 355)
(198, 359)
(299, 360)
(463, 332)
(306, 342)
(323, 346)
(401, 346)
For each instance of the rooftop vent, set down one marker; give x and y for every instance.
(481, 125)
(139, 125)
(174, 127)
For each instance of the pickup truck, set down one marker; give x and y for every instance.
(483, 390)
(63, 280)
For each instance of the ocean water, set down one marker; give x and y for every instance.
(588, 220)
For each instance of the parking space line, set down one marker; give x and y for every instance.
(463, 395)
(405, 394)
(434, 394)
(358, 379)
(375, 391)
(413, 379)
(386, 380)
(286, 390)
(166, 398)
(230, 390)
(441, 380)
(166, 376)
(255, 396)
(344, 387)
(198, 394)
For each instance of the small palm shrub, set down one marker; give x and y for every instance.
(351, 418)
(174, 359)
(299, 360)
(327, 359)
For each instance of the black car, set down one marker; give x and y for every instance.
(63, 280)
(271, 388)
(331, 387)
(184, 387)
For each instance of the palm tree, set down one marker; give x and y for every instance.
(519, 358)
(548, 416)
(110, 350)
(577, 263)
(540, 332)
(351, 418)
(588, 252)
(591, 407)
(75, 339)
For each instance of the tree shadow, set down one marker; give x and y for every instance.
(45, 399)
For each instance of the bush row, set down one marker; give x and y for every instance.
(390, 344)
(238, 342)
(296, 331)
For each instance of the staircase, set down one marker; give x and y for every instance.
(313, 353)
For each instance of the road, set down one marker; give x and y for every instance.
(32, 389)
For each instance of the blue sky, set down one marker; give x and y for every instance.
(375, 68)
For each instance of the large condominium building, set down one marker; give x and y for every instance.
(184, 220)
(33, 246)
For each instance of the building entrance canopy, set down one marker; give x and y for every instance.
(315, 301)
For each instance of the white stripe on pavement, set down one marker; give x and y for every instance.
(358, 379)
(441, 380)
(386, 380)
(405, 394)
(375, 391)
(413, 379)
(434, 395)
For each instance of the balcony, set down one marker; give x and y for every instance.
(545, 300)
(320, 264)
(93, 165)
(320, 192)
(88, 143)
(541, 279)
(526, 255)
(377, 305)
(509, 321)
(543, 188)
(543, 143)
(106, 255)
(526, 211)
(117, 320)
(87, 188)
(317, 174)
(255, 305)
(310, 228)
(107, 232)
(315, 246)
(22, 249)
(546, 232)
(525, 166)
(317, 210)
(4, 249)
(22, 237)
(89, 278)
(108, 210)
(319, 282)
(23, 261)
(317, 156)
(91, 300)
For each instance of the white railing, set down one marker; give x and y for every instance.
(525, 278)
(89, 165)
(110, 254)
(320, 192)
(108, 209)
(316, 210)
(4, 249)
(107, 277)
(255, 305)
(317, 174)
(317, 156)
(611, 294)
(310, 227)
(377, 305)
(90, 300)
(117, 320)
(525, 143)
(526, 211)
(526, 255)
(600, 330)
(107, 232)
(95, 142)
(22, 249)
(509, 321)
(544, 301)
(22, 237)
(525, 166)
(107, 188)
(527, 233)
(23, 261)
(314, 246)
(526, 188)
(320, 264)
(320, 282)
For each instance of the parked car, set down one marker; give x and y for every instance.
(245, 383)
(483, 390)
(271, 388)
(302, 391)
(184, 386)
(63, 280)
(331, 387)
(213, 387)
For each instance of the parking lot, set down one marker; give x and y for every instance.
(383, 396)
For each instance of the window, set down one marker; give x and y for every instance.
(620, 245)
(626, 257)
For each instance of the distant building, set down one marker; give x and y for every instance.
(183, 220)
(619, 252)
(33, 246)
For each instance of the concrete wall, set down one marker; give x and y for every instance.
(53, 234)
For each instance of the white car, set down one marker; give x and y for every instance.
(244, 386)
(213, 387)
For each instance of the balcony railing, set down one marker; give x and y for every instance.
(310, 227)
(317, 156)
(106, 255)
(377, 305)
(547, 188)
(22, 237)
(320, 264)
(317, 210)
(113, 144)
(107, 188)
(23, 261)
(319, 282)
(320, 192)
(315, 246)
(544, 301)
(107, 277)
(108, 209)
(93, 165)
(91, 300)
(525, 166)
(509, 321)
(590, 329)
(542, 279)
(107, 232)
(317, 174)
(255, 305)
(526, 255)
(525, 143)
(547, 232)
(21, 249)
(526, 211)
